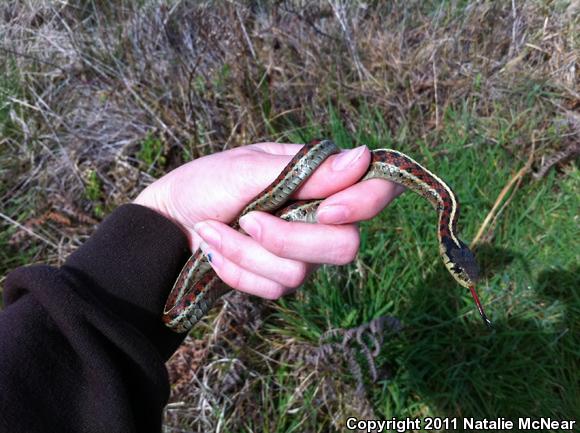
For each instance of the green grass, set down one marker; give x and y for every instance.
(10, 257)
(445, 362)
(93, 192)
(8, 87)
(151, 154)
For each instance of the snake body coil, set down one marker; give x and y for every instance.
(198, 287)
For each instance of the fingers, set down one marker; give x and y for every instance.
(301, 241)
(359, 202)
(242, 279)
(270, 268)
(249, 254)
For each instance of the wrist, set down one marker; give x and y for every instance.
(154, 201)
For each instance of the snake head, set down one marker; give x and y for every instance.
(460, 261)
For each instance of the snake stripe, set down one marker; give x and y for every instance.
(408, 172)
(197, 288)
(292, 176)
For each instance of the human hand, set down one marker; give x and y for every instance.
(277, 256)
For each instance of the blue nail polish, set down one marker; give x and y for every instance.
(209, 257)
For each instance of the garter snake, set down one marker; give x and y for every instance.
(198, 287)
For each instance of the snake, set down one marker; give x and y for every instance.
(197, 288)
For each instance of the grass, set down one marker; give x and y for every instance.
(10, 256)
(97, 99)
(446, 363)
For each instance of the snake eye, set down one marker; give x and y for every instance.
(462, 258)
(465, 259)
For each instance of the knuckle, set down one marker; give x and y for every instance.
(275, 292)
(234, 251)
(296, 275)
(347, 251)
(245, 161)
(276, 244)
(232, 276)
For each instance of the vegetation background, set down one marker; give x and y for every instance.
(99, 98)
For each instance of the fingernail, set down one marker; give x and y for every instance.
(344, 159)
(213, 257)
(333, 214)
(249, 224)
(208, 234)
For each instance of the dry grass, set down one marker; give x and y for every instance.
(99, 85)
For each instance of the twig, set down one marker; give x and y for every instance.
(514, 28)
(436, 97)
(493, 213)
(339, 12)
(29, 231)
(246, 37)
